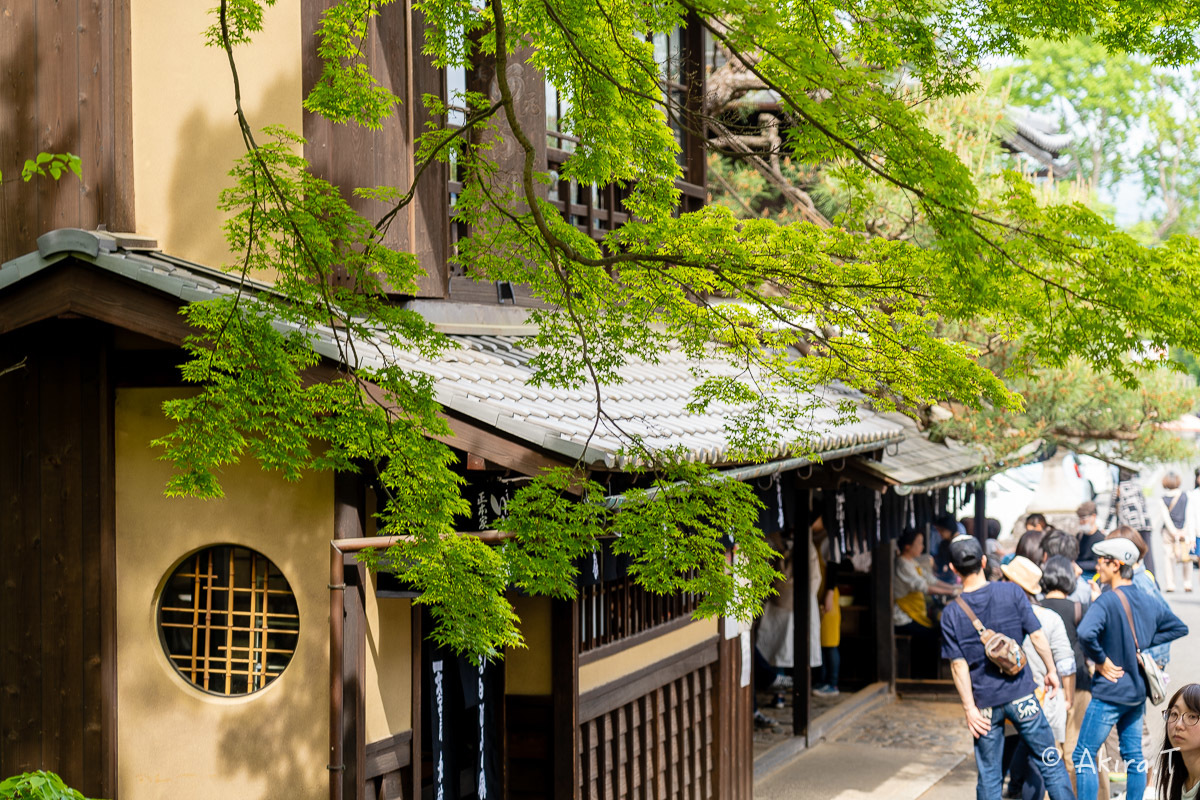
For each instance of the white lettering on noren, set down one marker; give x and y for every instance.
(482, 790)
(438, 709)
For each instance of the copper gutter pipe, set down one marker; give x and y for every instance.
(337, 600)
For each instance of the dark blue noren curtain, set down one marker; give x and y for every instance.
(461, 706)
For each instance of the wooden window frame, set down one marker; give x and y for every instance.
(247, 629)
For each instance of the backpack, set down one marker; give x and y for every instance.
(1001, 650)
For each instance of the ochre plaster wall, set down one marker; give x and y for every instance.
(185, 135)
(618, 665)
(527, 670)
(389, 665)
(174, 740)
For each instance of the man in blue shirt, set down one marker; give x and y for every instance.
(1118, 687)
(988, 695)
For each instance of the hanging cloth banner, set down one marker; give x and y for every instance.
(461, 712)
(437, 728)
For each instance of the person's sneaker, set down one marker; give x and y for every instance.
(761, 720)
(782, 683)
(826, 691)
(778, 701)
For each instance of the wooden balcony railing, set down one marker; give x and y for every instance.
(613, 608)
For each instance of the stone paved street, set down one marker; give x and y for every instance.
(912, 723)
(766, 738)
(897, 751)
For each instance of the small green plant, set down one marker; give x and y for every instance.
(54, 163)
(40, 785)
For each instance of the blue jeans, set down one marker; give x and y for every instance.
(1024, 773)
(1097, 722)
(1026, 715)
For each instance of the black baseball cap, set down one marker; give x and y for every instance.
(965, 553)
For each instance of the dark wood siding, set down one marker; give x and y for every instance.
(655, 732)
(733, 751)
(350, 156)
(57, 667)
(64, 87)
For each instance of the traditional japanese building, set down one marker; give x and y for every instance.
(156, 642)
(156, 647)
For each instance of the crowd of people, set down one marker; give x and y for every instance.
(1065, 638)
(1057, 644)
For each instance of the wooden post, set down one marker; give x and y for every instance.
(417, 684)
(882, 564)
(801, 616)
(349, 509)
(693, 75)
(106, 414)
(564, 666)
(981, 513)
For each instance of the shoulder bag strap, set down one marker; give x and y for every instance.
(1168, 522)
(970, 615)
(1129, 617)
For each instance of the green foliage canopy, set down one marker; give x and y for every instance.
(1132, 117)
(1073, 405)
(1056, 280)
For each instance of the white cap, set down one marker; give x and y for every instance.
(1121, 550)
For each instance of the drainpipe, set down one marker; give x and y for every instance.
(337, 593)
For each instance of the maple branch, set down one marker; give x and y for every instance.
(14, 367)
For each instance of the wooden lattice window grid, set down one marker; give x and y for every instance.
(228, 620)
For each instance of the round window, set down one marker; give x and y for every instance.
(228, 620)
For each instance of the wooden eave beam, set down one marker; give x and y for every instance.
(71, 288)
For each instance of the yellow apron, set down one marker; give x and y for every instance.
(831, 623)
(913, 604)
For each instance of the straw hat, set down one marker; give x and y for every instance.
(1024, 573)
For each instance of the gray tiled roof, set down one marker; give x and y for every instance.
(486, 377)
(1041, 129)
(917, 460)
(1038, 136)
